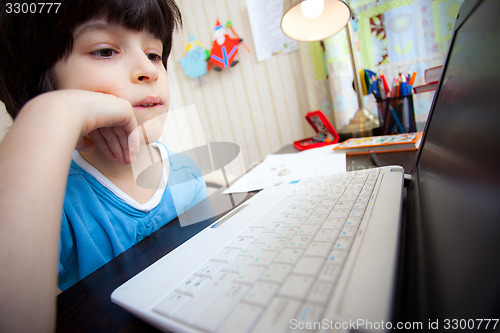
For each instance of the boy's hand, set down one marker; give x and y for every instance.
(108, 122)
(111, 128)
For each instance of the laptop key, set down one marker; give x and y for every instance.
(296, 287)
(252, 250)
(261, 293)
(183, 287)
(339, 213)
(196, 286)
(195, 305)
(250, 274)
(348, 231)
(337, 256)
(308, 313)
(171, 303)
(276, 319)
(290, 256)
(241, 319)
(264, 237)
(330, 273)
(237, 264)
(320, 291)
(326, 235)
(265, 258)
(316, 219)
(300, 242)
(309, 265)
(287, 232)
(318, 249)
(220, 307)
(308, 230)
(210, 269)
(226, 255)
(343, 243)
(333, 223)
(277, 273)
(277, 244)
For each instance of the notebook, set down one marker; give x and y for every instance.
(371, 267)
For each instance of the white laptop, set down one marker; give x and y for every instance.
(301, 251)
(329, 254)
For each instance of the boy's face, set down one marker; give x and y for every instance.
(112, 59)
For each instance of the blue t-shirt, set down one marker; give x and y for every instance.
(99, 221)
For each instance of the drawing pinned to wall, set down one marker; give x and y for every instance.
(224, 48)
(194, 63)
(265, 22)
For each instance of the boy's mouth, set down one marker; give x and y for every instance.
(149, 102)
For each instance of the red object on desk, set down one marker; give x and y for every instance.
(323, 127)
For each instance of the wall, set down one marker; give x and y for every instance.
(258, 105)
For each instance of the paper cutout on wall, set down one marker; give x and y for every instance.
(194, 62)
(224, 48)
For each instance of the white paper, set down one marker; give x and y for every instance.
(265, 22)
(280, 169)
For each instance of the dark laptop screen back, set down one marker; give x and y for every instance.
(457, 217)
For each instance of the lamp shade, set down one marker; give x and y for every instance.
(333, 18)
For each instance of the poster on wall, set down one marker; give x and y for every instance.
(265, 22)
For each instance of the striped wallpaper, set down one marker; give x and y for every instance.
(258, 105)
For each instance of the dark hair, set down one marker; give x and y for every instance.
(32, 43)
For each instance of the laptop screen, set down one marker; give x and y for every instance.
(454, 206)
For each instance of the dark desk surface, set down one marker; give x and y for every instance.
(87, 306)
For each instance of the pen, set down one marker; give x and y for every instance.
(398, 122)
(384, 82)
(394, 88)
(375, 158)
(403, 88)
(381, 89)
(412, 78)
(411, 81)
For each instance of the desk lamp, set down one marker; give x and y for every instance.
(314, 20)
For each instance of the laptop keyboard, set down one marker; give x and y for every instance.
(282, 267)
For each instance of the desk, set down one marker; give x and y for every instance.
(87, 306)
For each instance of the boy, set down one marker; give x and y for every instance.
(119, 48)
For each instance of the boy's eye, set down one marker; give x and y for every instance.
(104, 53)
(154, 57)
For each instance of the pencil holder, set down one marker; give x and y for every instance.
(396, 115)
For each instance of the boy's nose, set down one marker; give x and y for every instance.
(144, 70)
